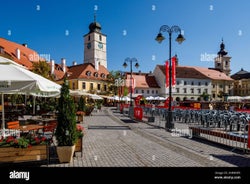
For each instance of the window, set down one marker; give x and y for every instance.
(199, 83)
(185, 82)
(91, 86)
(147, 91)
(192, 83)
(105, 87)
(177, 82)
(205, 91)
(199, 91)
(84, 85)
(73, 85)
(177, 90)
(100, 37)
(102, 75)
(153, 91)
(88, 73)
(98, 86)
(95, 74)
(192, 90)
(89, 38)
(206, 84)
(136, 91)
(156, 91)
(142, 91)
(184, 90)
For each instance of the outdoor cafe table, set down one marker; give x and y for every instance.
(32, 128)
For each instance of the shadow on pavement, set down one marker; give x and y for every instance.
(239, 161)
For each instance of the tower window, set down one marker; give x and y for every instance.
(100, 37)
(89, 38)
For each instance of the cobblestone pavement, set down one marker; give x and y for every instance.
(114, 140)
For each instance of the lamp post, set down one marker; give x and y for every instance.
(169, 124)
(130, 61)
(118, 83)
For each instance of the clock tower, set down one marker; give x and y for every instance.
(222, 61)
(95, 50)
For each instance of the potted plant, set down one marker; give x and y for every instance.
(66, 133)
(81, 108)
(80, 134)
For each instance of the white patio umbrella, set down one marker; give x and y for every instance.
(234, 98)
(150, 98)
(78, 93)
(125, 98)
(95, 97)
(15, 79)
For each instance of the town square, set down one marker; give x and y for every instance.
(125, 84)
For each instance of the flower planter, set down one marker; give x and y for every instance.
(34, 153)
(65, 153)
(78, 147)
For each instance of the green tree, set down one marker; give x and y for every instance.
(42, 68)
(113, 75)
(81, 104)
(66, 134)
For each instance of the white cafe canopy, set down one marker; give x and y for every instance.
(16, 78)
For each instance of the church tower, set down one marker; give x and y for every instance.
(222, 61)
(95, 50)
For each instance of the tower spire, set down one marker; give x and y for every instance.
(222, 51)
(95, 16)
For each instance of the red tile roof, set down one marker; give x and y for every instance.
(27, 55)
(143, 80)
(80, 72)
(58, 71)
(197, 73)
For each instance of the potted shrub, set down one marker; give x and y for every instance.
(81, 108)
(66, 134)
(80, 134)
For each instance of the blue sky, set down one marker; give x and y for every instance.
(56, 28)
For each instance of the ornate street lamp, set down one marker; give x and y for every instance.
(131, 60)
(169, 123)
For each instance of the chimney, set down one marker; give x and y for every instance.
(74, 63)
(25, 45)
(52, 69)
(18, 54)
(63, 63)
(1, 50)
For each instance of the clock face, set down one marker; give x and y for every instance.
(100, 45)
(89, 45)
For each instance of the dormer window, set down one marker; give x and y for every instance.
(102, 75)
(95, 74)
(88, 73)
